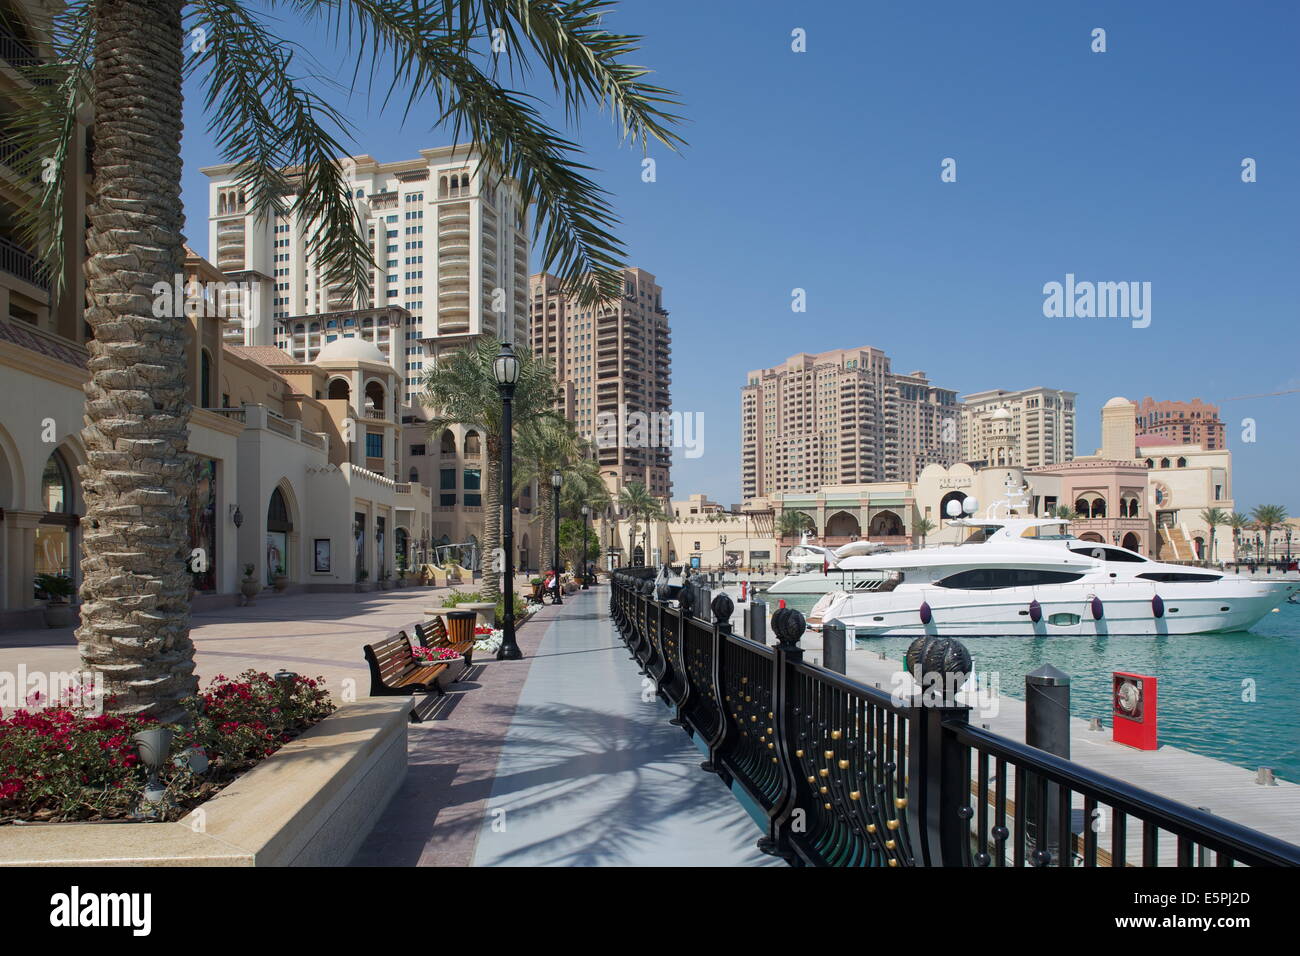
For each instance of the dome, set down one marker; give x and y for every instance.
(351, 349)
(1117, 401)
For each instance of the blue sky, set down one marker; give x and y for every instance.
(821, 170)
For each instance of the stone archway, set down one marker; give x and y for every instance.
(843, 525)
(1132, 542)
(886, 524)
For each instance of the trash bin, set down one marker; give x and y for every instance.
(460, 626)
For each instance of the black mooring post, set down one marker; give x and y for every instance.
(756, 626)
(1047, 727)
(834, 656)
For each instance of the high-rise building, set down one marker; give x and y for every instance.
(841, 417)
(613, 363)
(432, 288)
(1188, 423)
(1033, 426)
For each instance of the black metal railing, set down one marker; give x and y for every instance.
(849, 775)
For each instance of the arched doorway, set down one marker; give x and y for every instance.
(1132, 542)
(886, 524)
(279, 526)
(55, 537)
(1092, 536)
(843, 525)
(339, 389)
(375, 400)
(402, 544)
(525, 564)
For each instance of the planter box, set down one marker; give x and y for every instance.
(311, 803)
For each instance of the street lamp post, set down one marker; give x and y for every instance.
(556, 480)
(505, 369)
(586, 512)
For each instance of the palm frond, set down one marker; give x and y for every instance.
(38, 141)
(432, 51)
(277, 135)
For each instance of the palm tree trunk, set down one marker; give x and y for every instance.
(135, 612)
(491, 588)
(544, 554)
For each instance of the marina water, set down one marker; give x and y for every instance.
(1234, 697)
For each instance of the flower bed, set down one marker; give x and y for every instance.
(60, 764)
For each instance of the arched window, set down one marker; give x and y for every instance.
(1182, 462)
(473, 445)
(414, 476)
(339, 388)
(1164, 462)
(448, 446)
(1150, 463)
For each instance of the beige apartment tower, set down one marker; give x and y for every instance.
(613, 365)
(450, 244)
(1031, 427)
(841, 418)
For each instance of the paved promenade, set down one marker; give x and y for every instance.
(557, 759)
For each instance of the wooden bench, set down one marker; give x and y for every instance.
(395, 672)
(434, 635)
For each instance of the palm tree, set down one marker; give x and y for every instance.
(1238, 522)
(636, 502)
(1066, 512)
(1213, 517)
(126, 58)
(463, 390)
(922, 526)
(791, 524)
(583, 485)
(547, 443)
(1268, 517)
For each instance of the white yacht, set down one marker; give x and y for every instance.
(1030, 576)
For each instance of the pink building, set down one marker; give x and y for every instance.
(1109, 496)
(1182, 423)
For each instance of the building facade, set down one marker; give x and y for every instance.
(841, 417)
(450, 244)
(1186, 423)
(1027, 428)
(613, 364)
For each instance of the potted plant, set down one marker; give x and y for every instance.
(57, 589)
(536, 596)
(363, 584)
(401, 573)
(279, 580)
(249, 586)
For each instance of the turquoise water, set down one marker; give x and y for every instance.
(1204, 683)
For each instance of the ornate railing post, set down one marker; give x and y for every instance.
(939, 776)
(788, 625)
(722, 611)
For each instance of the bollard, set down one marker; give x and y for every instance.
(1047, 727)
(833, 646)
(756, 625)
(703, 607)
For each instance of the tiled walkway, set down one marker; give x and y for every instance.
(589, 772)
(557, 759)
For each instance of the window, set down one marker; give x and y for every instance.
(1175, 577)
(417, 451)
(1109, 554)
(447, 501)
(374, 445)
(447, 479)
(990, 579)
(473, 482)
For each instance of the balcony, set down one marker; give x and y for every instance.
(17, 261)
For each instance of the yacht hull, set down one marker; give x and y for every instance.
(1126, 609)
